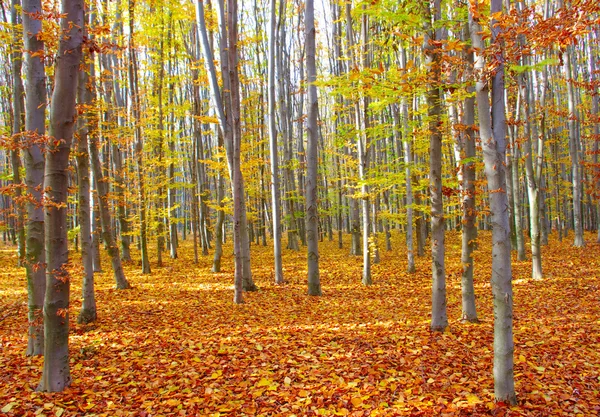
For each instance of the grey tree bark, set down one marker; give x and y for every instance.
(35, 109)
(101, 187)
(574, 149)
(17, 128)
(312, 157)
(439, 318)
(533, 177)
(139, 148)
(408, 161)
(227, 124)
(469, 209)
(56, 374)
(596, 130)
(275, 191)
(493, 139)
(88, 312)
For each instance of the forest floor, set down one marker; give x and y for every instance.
(176, 344)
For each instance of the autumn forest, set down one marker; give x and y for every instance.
(287, 207)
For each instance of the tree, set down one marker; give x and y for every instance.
(17, 127)
(439, 318)
(230, 129)
(56, 375)
(275, 192)
(312, 156)
(492, 127)
(139, 147)
(469, 210)
(35, 129)
(88, 305)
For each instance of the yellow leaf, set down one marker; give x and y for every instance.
(540, 368)
(264, 382)
(59, 411)
(7, 407)
(356, 401)
(302, 393)
(173, 402)
(259, 347)
(287, 381)
(522, 358)
(473, 399)
(430, 381)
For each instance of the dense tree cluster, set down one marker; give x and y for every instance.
(129, 122)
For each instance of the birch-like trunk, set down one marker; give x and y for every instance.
(56, 374)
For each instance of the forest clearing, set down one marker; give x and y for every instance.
(176, 345)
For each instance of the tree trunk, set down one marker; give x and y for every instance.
(574, 145)
(88, 304)
(275, 192)
(17, 129)
(533, 187)
(35, 108)
(494, 148)
(56, 375)
(469, 210)
(139, 148)
(107, 235)
(439, 318)
(312, 157)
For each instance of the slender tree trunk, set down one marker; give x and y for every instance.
(139, 148)
(107, 233)
(87, 313)
(494, 148)
(312, 157)
(241, 222)
(439, 318)
(96, 229)
(408, 160)
(284, 115)
(517, 199)
(469, 210)
(275, 192)
(220, 218)
(574, 145)
(532, 191)
(596, 130)
(17, 129)
(56, 375)
(117, 159)
(35, 108)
